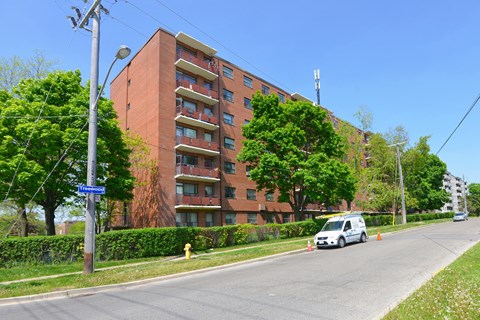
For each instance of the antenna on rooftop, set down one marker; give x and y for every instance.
(316, 75)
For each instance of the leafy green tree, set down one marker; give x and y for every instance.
(294, 149)
(43, 144)
(473, 199)
(424, 173)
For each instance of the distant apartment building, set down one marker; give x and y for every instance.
(189, 106)
(457, 189)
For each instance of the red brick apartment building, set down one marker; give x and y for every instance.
(189, 106)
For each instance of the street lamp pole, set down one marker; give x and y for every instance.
(404, 213)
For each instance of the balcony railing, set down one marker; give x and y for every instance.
(197, 115)
(198, 171)
(207, 65)
(198, 143)
(196, 200)
(197, 88)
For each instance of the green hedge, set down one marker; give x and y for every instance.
(384, 220)
(142, 243)
(158, 242)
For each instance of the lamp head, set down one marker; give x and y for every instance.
(123, 52)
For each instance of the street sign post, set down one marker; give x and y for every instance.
(91, 189)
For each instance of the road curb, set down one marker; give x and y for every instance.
(94, 290)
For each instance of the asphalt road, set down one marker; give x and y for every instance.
(360, 281)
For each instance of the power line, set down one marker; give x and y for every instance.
(216, 41)
(466, 114)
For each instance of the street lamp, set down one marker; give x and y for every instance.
(404, 213)
(89, 243)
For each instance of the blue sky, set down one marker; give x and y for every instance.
(409, 63)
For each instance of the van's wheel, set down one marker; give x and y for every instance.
(363, 238)
(341, 242)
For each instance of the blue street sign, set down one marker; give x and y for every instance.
(91, 189)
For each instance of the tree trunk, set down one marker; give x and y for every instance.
(49, 220)
(23, 222)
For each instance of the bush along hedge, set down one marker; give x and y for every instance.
(160, 242)
(142, 243)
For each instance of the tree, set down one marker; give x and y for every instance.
(294, 149)
(13, 70)
(365, 118)
(473, 199)
(43, 144)
(424, 174)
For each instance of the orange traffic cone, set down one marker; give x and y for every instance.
(309, 247)
(379, 237)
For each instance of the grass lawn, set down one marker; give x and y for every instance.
(454, 293)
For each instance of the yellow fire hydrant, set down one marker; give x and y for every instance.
(188, 251)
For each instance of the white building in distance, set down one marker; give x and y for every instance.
(457, 189)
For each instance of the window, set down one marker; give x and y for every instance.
(186, 219)
(247, 103)
(281, 97)
(207, 136)
(208, 111)
(208, 85)
(186, 132)
(228, 95)
(183, 76)
(229, 143)
(209, 219)
(231, 218)
(229, 192)
(181, 49)
(252, 218)
(187, 160)
(265, 89)
(286, 217)
(247, 81)
(209, 164)
(246, 121)
(208, 191)
(187, 189)
(269, 196)
(229, 167)
(270, 218)
(228, 118)
(128, 106)
(227, 72)
(190, 106)
(247, 169)
(251, 194)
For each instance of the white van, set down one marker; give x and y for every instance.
(341, 230)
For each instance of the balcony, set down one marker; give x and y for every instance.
(196, 92)
(194, 43)
(197, 202)
(190, 63)
(196, 173)
(197, 146)
(196, 119)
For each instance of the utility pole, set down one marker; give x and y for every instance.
(404, 212)
(465, 194)
(316, 75)
(82, 22)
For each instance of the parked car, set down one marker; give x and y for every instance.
(460, 216)
(340, 230)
